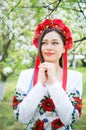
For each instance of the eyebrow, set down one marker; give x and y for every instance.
(52, 40)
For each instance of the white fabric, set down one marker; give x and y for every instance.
(60, 98)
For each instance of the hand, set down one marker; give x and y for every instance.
(49, 72)
(42, 77)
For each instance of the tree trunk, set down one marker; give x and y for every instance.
(2, 89)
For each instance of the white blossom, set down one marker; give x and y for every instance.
(22, 38)
(7, 70)
(9, 23)
(25, 61)
(5, 5)
(24, 47)
(43, 1)
(0, 16)
(32, 22)
(10, 36)
(15, 32)
(13, 3)
(33, 48)
(17, 45)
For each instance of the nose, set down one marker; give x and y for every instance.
(49, 46)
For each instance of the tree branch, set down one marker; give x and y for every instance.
(52, 10)
(81, 10)
(15, 6)
(5, 50)
(80, 40)
(75, 47)
(50, 4)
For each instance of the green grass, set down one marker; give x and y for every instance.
(7, 120)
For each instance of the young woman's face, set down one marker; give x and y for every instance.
(52, 47)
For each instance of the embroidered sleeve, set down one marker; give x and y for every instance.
(76, 101)
(25, 105)
(17, 99)
(68, 106)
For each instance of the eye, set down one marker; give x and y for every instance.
(44, 43)
(55, 43)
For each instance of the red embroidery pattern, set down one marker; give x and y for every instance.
(56, 124)
(78, 104)
(39, 125)
(15, 102)
(48, 105)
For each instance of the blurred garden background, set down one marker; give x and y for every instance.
(18, 19)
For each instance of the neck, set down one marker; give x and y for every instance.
(59, 71)
(58, 67)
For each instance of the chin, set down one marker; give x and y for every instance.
(47, 60)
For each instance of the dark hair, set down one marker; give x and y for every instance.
(40, 42)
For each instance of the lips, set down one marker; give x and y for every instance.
(49, 54)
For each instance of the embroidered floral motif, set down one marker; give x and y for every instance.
(18, 97)
(46, 109)
(46, 104)
(55, 124)
(77, 103)
(39, 125)
(15, 102)
(74, 115)
(76, 100)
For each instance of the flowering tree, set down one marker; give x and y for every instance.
(15, 39)
(18, 19)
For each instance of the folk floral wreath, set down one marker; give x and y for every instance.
(57, 24)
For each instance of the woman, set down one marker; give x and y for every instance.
(49, 96)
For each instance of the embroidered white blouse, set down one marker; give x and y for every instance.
(49, 107)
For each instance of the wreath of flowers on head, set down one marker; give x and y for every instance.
(57, 24)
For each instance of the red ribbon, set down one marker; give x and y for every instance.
(36, 70)
(64, 70)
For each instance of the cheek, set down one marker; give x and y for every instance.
(59, 51)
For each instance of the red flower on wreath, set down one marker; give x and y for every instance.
(39, 30)
(57, 123)
(66, 31)
(68, 43)
(48, 105)
(39, 125)
(58, 24)
(47, 24)
(35, 41)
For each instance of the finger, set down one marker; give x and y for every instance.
(43, 65)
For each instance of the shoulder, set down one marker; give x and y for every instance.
(27, 72)
(25, 79)
(74, 74)
(25, 75)
(74, 77)
(74, 81)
